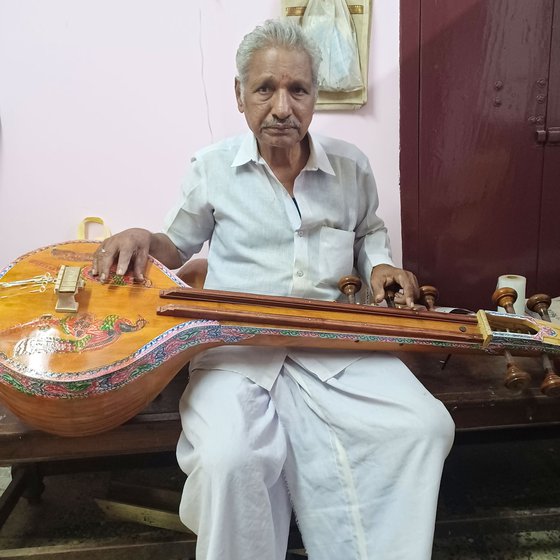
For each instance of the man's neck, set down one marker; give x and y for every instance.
(286, 164)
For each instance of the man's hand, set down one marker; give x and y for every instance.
(384, 275)
(131, 246)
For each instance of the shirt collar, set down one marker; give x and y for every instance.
(318, 159)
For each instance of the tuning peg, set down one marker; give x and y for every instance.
(539, 303)
(350, 286)
(505, 297)
(428, 297)
(516, 378)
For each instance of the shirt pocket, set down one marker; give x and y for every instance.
(336, 255)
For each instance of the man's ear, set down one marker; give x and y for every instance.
(238, 95)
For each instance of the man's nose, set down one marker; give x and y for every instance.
(282, 107)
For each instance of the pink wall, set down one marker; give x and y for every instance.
(102, 104)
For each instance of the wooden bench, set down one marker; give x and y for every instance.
(148, 439)
(470, 386)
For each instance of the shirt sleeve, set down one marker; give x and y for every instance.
(372, 245)
(190, 223)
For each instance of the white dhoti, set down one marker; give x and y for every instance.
(359, 457)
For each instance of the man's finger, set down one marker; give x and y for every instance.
(140, 263)
(103, 259)
(410, 289)
(378, 288)
(125, 256)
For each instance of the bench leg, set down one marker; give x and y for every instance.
(34, 486)
(12, 494)
(27, 482)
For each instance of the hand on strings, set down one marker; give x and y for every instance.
(385, 275)
(129, 248)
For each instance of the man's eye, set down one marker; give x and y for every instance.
(263, 89)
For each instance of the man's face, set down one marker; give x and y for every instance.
(278, 98)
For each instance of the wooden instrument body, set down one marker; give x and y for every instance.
(86, 372)
(71, 374)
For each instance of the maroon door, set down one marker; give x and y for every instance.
(479, 169)
(548, 271)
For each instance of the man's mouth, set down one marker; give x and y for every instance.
(281, 127)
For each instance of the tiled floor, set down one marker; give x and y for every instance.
(479, 478)
(506, 480)
(538, 545)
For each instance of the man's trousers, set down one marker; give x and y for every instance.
(358, 457)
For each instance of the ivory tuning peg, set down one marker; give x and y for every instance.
(350, 286)
(516, 379)
(428, 297)
(539, 303)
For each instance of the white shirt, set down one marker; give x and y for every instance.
(260, 244)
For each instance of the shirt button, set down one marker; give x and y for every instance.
(299, 273)
(300, 233)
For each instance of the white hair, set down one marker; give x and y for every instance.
(276, 33)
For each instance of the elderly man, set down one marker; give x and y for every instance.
(352, 441)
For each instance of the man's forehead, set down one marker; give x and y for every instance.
(280, 63)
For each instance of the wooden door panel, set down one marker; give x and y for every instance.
(479, 165)
(548, 277)
(549, 247)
